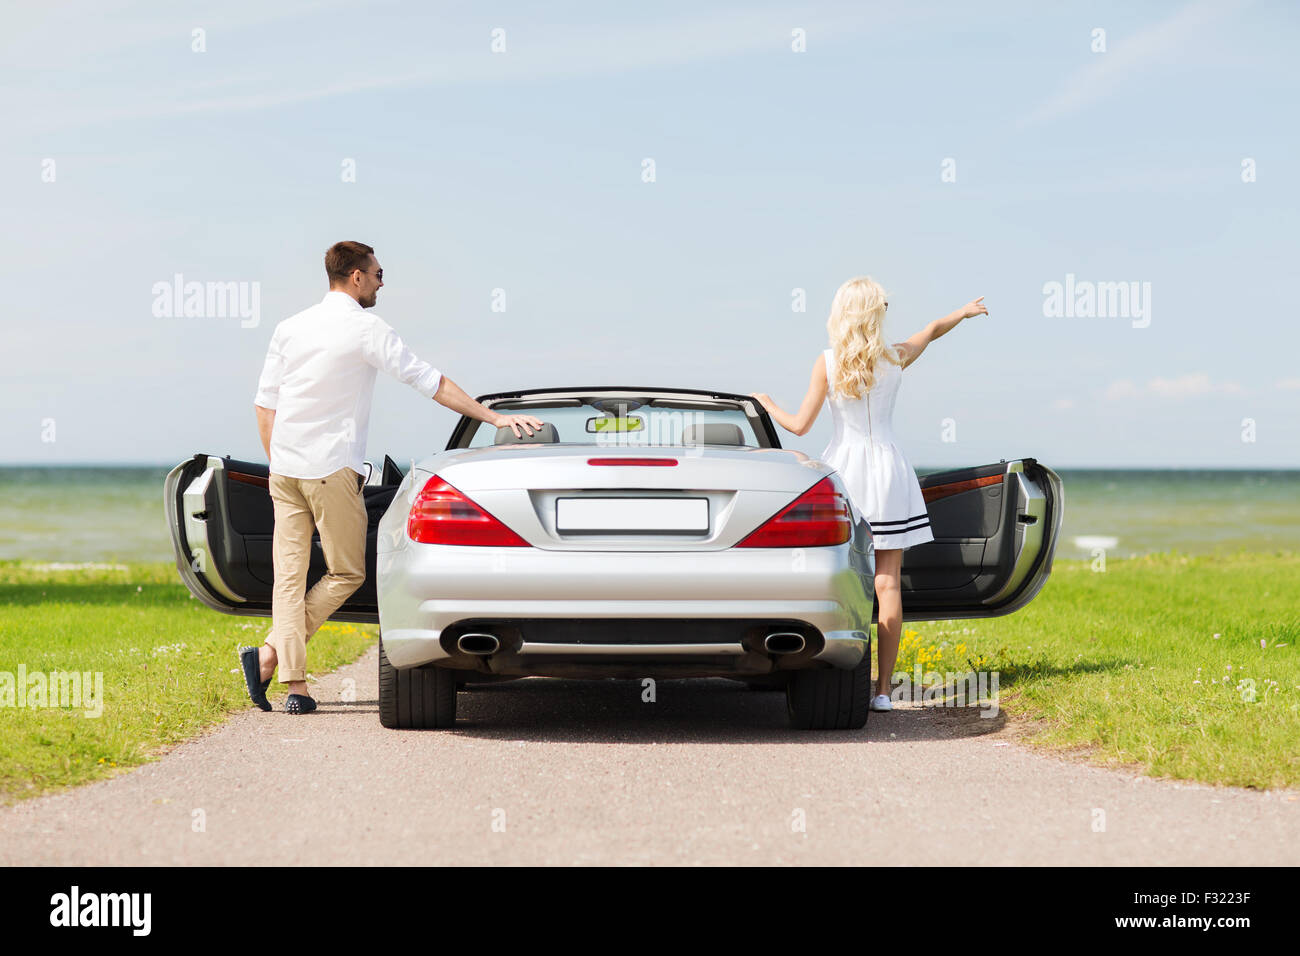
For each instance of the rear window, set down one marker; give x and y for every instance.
(647, 425)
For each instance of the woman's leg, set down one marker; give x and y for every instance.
(889, 621)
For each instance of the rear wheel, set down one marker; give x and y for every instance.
(830, 698)
(768, 682)
(418, 698)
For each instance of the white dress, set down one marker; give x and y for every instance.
(881, 483)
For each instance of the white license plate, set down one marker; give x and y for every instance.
(635, 515)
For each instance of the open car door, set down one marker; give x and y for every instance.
(995, 529)
(222, 519)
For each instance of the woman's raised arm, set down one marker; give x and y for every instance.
(913, 347)
(801, 421)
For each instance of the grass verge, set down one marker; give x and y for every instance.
(1182, 665)
(168, 664)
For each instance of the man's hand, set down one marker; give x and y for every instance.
(974, 307)
(515, 422)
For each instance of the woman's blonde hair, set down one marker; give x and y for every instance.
(856, 328)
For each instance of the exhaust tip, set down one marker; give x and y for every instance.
(479, 645)
(784, 642)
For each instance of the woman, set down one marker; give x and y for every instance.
(861, 374)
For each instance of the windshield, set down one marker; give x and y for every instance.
(629, 422)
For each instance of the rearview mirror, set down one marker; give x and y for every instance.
(610, 424)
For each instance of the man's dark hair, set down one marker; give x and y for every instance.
(343, 257)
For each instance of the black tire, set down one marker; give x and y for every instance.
(419, 698)
(768, 682)
(830, 698)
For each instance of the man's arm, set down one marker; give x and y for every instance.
(265, 422)
(451, 395)
(268, 391)
(384, 349)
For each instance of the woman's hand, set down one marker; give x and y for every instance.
(974, 307)
(763, 399)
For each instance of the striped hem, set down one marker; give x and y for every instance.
(916, 526)
(924, 516)
(897, 540)
(905, 520)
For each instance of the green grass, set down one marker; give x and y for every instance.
(169, 668)
(1183, 666)
(1105, 663)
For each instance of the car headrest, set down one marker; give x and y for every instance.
(713, 433)
(506, 435)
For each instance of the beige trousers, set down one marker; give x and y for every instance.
(335, 506)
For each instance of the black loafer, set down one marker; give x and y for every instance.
(248, 660)
(299, 704)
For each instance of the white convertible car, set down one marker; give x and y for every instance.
(643, 532)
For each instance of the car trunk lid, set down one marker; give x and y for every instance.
(645, 498)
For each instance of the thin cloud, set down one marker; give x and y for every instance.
(534, 52)
(1129, 56)
(1192, 385)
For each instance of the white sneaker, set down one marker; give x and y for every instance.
(882, 702)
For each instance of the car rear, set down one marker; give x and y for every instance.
(623, 563)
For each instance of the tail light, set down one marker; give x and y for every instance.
(442, 515)
(818, 517)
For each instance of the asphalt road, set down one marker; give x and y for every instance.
(570, 772)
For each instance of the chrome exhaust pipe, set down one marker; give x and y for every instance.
(784, 642)
(480, 645)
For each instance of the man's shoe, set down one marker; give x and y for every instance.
(248, 660)
(882, 702)
(299, 704)
(266, 683)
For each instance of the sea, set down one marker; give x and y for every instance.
(79, 514)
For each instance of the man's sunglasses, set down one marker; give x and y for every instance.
(378, 274)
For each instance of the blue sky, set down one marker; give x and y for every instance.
(775, 170)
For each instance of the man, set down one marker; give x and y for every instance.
(313, 412)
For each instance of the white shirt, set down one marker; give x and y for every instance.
(320, 376)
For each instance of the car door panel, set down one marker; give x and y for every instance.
(222, 522)
(995, 528)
